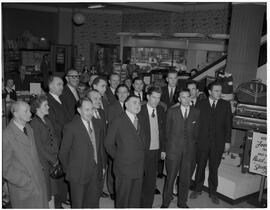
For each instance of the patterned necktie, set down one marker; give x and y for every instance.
(92, 138)
(214, 105)
(135, 123)
(25, 131)
(153, 113)
(171, 95)
(186, 114)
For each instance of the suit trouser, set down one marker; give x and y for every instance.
(62, 190)
(182, 165)
(149, 178)
(86, 195)
(214, 158)
(110, 177)
(193, 163)
(128, 192)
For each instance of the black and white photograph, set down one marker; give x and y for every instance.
(134, 104)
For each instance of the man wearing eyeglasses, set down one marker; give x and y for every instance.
(70, 95)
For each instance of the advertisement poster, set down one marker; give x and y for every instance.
(258, 157)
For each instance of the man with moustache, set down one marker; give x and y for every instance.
(181, 138)
(114, 81)
(21, 165)
(125, 143)
(215, 137)
(70, 95)
(152, 116)
(82, 158)
(58, 116)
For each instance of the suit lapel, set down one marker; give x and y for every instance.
(20, 136)
(71, 94)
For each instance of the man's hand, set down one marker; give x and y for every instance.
(227, 147)
(163, 155)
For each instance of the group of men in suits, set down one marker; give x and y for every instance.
(129, 134)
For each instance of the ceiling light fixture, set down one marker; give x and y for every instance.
(97, 6)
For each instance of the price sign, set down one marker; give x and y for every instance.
(258, 157)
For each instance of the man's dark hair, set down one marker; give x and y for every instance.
(212, 84)
(192, 82)
(131, 96)
(114, 74)
(81, 100)
(137, 78)
(183, 90)
(121, 86)
(97, 80)
(153, 88)
(172, 72)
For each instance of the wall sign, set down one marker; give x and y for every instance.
(258, 157)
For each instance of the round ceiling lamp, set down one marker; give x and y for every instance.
(78, 18)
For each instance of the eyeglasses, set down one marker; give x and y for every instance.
(74, 76)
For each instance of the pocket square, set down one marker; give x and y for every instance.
(194, 122)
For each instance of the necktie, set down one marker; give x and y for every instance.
(135, 122)
(97, 115)
(25, 131)
(93, 141)
(192, 103)
(214, 105)
(171, 95)
(153, 113)
(186, 113)
(140, 96)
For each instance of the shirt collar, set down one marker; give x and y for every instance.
(71, 88)
(184, 108)
(211, 101)
(150, 109)
(113, 90)
(19, 125)
(56, 97)
(131, 116)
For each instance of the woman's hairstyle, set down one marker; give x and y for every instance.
(36, 101)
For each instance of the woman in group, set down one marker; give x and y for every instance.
(46, 141)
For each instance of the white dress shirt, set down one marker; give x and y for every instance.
(74, 92)
(56, 97)
(211, 101)
(131, 116)
(19, 125)
(183, 110)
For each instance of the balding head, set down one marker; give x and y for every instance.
(72, 78)
(55, 85)
(21, 112)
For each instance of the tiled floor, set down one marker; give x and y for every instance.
(202, 201)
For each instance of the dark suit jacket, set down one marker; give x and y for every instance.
(165, 97)
(105, 103)
(223, 124)
(110, 96)
(144, 116)
(144, 94)
(77, 153)
(126, 146)
(57, 115)
(46, 141)
(12, 94)
(114, 110)
(69, 101)
(175, 140)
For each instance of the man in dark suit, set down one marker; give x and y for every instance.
(58, 117)
(138, 88)
(114, 81)
(99, 117)
(169, 97)
(125, 144)
(115, 110)
(170, 92)
(11, 93)
(215, 136)
(82, 158)
(181, 137)
(100, 84)
(152, 117)
(21, 165)
(70, 95)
